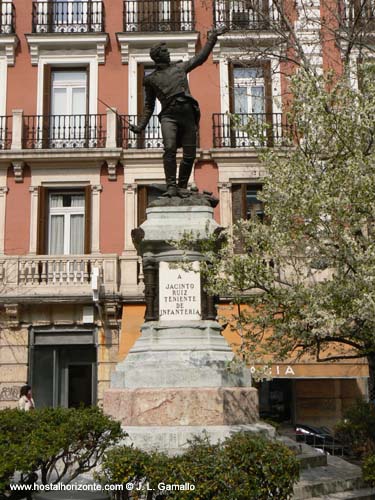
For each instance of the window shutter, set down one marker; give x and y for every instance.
(47, 80)
(42, 221)
(267, 85)
(237, 201)
(268, 100)
(47, 85)
(140, 101)
(142, 204)
(87, 243)
(87, 89)
(231, 86)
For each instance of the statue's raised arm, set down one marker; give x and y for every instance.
(206, 50)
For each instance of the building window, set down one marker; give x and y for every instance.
(153, 15)
(245, 202)
(146, 194)
(67, 16)
(248, 90)
(69, 92)
(64, 222)
(63, 369)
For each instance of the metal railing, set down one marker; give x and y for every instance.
(6, 17)
(68, 17)
(229, 131)
(153, 15)
(243, 15)
(64, 131)
(150, 138)
(360, 12)
(5, 132)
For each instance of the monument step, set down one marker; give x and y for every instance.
(362, 494)
(338, 476)
(306, 455)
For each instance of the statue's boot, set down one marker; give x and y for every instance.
(170, 177)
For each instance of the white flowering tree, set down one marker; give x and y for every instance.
(304, 282)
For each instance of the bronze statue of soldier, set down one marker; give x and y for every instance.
(179, 116)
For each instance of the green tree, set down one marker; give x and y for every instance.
(307, 272)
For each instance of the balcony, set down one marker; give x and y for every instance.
(64, 131)
(228, 130)
(245, 15)
(150, 138)
(68, 17)
(6, 18)
(57, 275)
(158, 16)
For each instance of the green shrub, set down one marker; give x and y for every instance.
(357, 429)
(368, 470)
(245, 466)
(38, 441)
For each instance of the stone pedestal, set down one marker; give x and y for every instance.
(175, 382)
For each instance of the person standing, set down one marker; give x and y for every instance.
(26, 402)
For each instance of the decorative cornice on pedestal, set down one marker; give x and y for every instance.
(18, 167)
(186, 40)
(75, 41)
(9, 43)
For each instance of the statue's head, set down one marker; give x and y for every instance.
(160, 54)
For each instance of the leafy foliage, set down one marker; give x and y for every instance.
(307, 273)
(243, 466)
(59, 443)
(357, 429)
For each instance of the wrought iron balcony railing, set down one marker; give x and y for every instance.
(68, 17)
(151, 15)
(244, 15)
(5, 132)
(6, 17)
(64, 131)
(230, 131)
(150, 138)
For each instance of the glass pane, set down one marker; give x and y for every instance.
(69, 77)
(247, 73)
(43, 376)
(79, 101)
(257, 98)
(56, 200)
(77, 234)
(59, 101)
(78, 200)
(241, 100)
(56, 235)
(253, 205)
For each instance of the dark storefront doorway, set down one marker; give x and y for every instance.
(63, 374)
(276, 400)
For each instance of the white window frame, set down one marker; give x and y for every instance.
(68, 62)
(67, 213)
